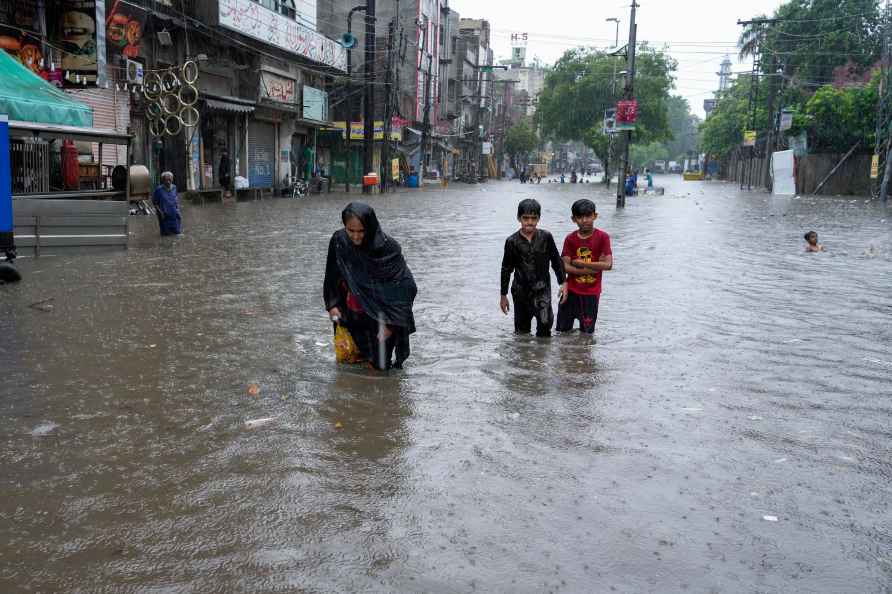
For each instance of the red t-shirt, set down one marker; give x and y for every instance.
(588, 250)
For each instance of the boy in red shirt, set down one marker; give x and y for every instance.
(586, 256)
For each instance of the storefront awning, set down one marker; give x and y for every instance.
(51, 131)
(230, 104)
(26, 97)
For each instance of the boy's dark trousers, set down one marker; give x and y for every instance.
(529, 305)
(578, 307)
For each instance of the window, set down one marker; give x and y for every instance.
(284, 7)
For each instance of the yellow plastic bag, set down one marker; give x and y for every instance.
(345, 347)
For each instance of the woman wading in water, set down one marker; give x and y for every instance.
(369, 289)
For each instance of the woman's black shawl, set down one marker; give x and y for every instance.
(375, 272)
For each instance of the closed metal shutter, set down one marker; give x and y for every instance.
(261, 154)
(111, 111)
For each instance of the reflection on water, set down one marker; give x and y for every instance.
(733, 377)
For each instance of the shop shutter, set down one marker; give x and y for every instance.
(261, 154)
(111, 111)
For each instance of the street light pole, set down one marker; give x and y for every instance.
(629, 94)
(369, 140)
(350, 14)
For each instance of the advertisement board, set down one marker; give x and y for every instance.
(315, 104)
(250, 18)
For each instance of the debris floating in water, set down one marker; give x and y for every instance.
(255, 423)
(44, 429)
(253, 390)
(339, 425)
(770, 518)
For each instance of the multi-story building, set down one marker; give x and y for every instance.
(410, 39)
(198, 83)
(475, 59)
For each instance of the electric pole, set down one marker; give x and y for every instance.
(368, 159)
(426, 123)
(628, 95)
(385, 151)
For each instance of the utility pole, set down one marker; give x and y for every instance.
(388, 106)
(754, 97)
(426, 124)
(628, 95)
(883, 149)
(350, 14)
(368, 159)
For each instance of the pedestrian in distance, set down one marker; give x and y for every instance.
(811, 242)
(586, 255)
(167, 206)
(528, 254)
(223, 172)
(369, 288)
(650, 179)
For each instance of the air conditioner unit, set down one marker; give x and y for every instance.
(134, 72)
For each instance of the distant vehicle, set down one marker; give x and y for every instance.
(660, 166)
(540, 169)
(675, 167)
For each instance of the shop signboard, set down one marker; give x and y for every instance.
(875, 167)
(80, 33)
(277, 88)
(250, 18)
(315, 104)
(749, 138)
(357, 130)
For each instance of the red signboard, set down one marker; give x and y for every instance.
(627, 111)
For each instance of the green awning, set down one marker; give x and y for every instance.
(27, 97)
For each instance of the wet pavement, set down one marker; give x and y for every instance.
(730, 431)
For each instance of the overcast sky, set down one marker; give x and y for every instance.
(699, 32)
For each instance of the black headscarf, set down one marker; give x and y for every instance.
(375, 272)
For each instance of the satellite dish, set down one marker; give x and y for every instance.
(348, 41)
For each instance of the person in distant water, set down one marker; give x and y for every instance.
(369, 288)
(811, 242)
(224, 171)
(586, 254)
(631, 184)
(573, 178)
(563, 179)
(528, 254)
(166, 206)
(650, 179)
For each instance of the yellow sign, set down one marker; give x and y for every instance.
(395, 169)
(357, 130)
(749, 138)
(875, 167)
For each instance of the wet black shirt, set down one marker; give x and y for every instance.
(529, 261)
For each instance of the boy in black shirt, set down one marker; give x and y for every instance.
(528, 253)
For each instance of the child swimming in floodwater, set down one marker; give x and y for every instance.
(811, 242)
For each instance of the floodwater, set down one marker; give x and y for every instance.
(729, 431)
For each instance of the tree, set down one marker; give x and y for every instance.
(643, 155)
(684, 127)
(722, 132)
(581, 87)
(520, 140)
(838, 118)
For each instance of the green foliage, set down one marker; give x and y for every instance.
(811, 38)
(722, 132)
(643, 155)
(520, 140)
(581, 87)
(838, 118)
(684, 127)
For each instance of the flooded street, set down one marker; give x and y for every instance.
(730, 430)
